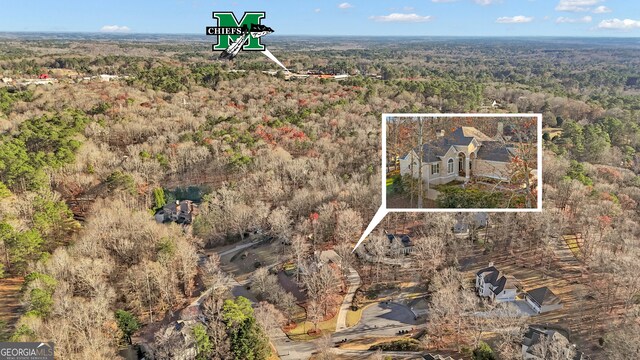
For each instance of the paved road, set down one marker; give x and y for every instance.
(287, 349)
(381, 319)
(237, 248)
(353, 281)
(365, 354)
(377, 320)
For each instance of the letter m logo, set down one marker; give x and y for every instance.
(228, 19)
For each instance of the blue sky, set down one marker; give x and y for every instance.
(352, 17)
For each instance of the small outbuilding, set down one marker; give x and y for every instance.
(543, 300)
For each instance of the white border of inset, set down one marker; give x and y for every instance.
(466, 115)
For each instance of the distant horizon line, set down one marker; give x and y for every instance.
(125, 34)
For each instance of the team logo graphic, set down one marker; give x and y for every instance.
(234, 35)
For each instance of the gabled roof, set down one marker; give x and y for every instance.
(434, 150)
(504, 283)
(495, 151)
(490, 275)
(403, 239)
(487, 269)
(532, 336)
(535, 335)
(544, 296)
(462, 136)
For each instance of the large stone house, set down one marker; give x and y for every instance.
(181, 212)
(460, 155)
(490, 283)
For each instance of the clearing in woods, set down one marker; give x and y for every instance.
(10, 307)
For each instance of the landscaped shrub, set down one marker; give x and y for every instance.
(457, 197)
(399, 345)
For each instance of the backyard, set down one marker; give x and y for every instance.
(582, 314)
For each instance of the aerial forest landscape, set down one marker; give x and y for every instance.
(159, 203)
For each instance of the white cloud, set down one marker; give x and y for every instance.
(617, 24)
(345, 5)
(115, 28)
(601, 10)
(486, 2)
(584, 19)
(316, 10)
(396, 17)
(520, 19)
(576, 5)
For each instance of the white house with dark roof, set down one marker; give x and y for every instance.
(399, 243)
(490, 283)
(464, 153)
(543, 300)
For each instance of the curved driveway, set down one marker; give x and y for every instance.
(353, 282)
(381, 319)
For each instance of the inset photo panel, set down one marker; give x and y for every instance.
(462, 162)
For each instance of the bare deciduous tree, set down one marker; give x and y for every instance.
(269, 317)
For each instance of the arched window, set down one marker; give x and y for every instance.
(450, 166)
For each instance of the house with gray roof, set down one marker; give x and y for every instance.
(492, 284)
(543, 300)
(540, 343)
(399, 243)
(459, 155)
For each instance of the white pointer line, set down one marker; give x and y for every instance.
(268, 54)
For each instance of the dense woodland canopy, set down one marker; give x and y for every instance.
(79, 163)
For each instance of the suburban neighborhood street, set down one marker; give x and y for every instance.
(379, 319)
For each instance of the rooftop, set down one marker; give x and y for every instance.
(544, 296)
(504, 282)
(490, 149)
